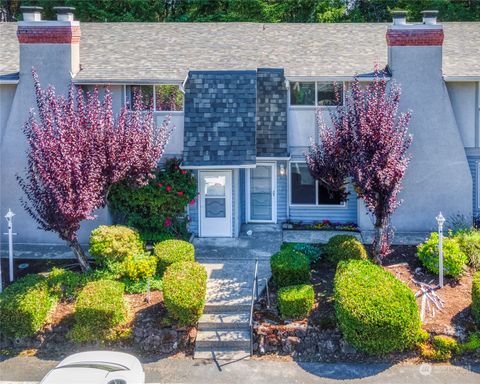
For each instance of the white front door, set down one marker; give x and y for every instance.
(216, 203)
(261, 201)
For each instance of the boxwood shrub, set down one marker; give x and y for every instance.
(184, 289)
(65, 284)
(295, 301)
(173, 251)
(113, 243)
(344, 247)
(376, 313)
(140, 266)
(469, 242)
(476, 296)
(454, 260)
(289, 268)
(100, 307)
(24, 306)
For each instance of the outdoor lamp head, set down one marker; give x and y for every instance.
(9, 215)
(440, 219)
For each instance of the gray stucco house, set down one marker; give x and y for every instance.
(249, 97)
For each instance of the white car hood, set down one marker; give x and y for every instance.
(100, 356)
(76, 376)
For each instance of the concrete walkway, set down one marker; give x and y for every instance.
(30, 370)
(223, 330)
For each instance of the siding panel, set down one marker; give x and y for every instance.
(472, 162)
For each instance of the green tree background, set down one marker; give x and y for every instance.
(267, 11)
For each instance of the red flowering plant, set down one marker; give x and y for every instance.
(157, 210)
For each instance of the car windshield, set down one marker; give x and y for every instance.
(105, 366)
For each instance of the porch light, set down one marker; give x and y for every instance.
(282, 170)
(440, 221)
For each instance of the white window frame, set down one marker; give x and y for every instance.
(342, 205)
(315, 106)
(477, 117)
(155, 97)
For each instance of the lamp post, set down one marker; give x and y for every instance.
(440, 221)
(9, 218)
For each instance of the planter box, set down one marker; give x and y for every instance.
(314, 236)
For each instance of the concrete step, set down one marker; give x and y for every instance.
(222, 353)
(223, 339)
(226, 308)
(226, 320)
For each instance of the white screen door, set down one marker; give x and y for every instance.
(261, 193)
(216, 204)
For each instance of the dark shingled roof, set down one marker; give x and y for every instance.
(167, 51)
(219, 120)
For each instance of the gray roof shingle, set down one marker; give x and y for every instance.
(167, 51)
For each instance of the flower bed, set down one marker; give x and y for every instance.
(323, 225)
(317, 337)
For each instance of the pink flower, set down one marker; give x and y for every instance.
(184, 172)
(168, 222)
(160, 184)
(192, 202)
(180, 193)
(169, 188)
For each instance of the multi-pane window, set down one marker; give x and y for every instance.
(316, 93)
(162, 97)
(305, 190)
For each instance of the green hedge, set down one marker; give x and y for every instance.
(470, 245)
(454, 260)
(376, 313)
(173, 251)
(100, 307)
(295, 301)
(113, 243)
(476, 296)
(24, 306)
(344, 247)
(65, 284)
(184, 289)
(289, 268)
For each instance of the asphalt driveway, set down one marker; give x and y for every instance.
(23, 370)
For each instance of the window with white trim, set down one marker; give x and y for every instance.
(305, 190)
(316, 93)
(160, 97)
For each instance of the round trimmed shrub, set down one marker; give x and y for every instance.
(184, 289)
(100, 307)
(113, 243)
(454, 260)
(289, 268)
(376, 313)
(476, 296)
(470, 245)
(173, 251)
(24, 306)
(345, 247)
(295, 301)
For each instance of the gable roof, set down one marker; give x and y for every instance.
(148, 52)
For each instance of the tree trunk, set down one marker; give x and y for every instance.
(80, 255)
(377, 242)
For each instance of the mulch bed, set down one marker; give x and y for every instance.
(317, 337)
(152, 334)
